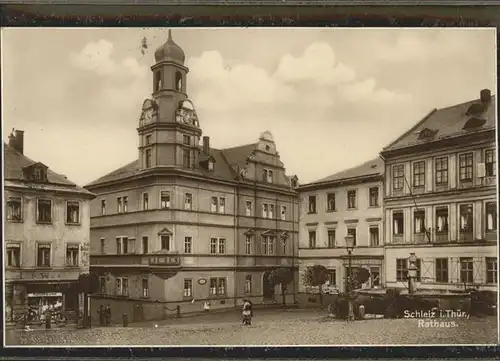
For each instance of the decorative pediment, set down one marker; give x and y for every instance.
(269, 233)
(165, 232)
(284, 236)
(249, 232)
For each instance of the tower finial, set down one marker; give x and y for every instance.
(169, 34)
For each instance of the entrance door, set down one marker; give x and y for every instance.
(267, 286)
(138, 312)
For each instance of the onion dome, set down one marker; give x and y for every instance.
(170, 51)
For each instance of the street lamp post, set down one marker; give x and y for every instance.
(349, 245)
(412, 273)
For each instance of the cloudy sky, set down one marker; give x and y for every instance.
(331, 97)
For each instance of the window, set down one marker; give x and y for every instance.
(165, 200)
(103, 207)
(465, 164)
(248, 284)
(374, 197)
(466, 270)
(283, 213)
(188, 201)
(442, 220)
(442, 270)
(124, 291)
(43, 255)
(270, 245)
(491, 163)
(375, 276)
(271, 211)
(263, 247)
(398, 220)
(13, 255)
(312, 204)
(374, 236)
(332, 277)
(37, 174)
(213, 245)
(466, 219)
(102, 285)
(419, 174)
(217, 286)
(145, 245)
(248, 208)
(330, 202)
(398, 175)
(312, 239)
(401, 269)
(145, 201)
(491, 216)
(148, 158)
(72, 255)
(188, 245)
(213, 286)
(118, 286)
(103, 245)
(210, 165)
(186, 158)
(119, 204)
(165, 242)
(248, 244)
(148, 139)
(351, 199)
(491, 270)
(44, 211)
(214, 204)
(145, 288)
(222, 287)
(14, 209)
(441, 170)
(188, 288)
(222, 246)
(125, 204)
(222, 204)
(121, 245)
(419, 221)
(352, 232)
(265, 210)
(267, 175)
(331, 238)
(186, 139)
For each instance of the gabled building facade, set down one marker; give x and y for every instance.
(46, 238)
(186, 224)
(346, 203)
(441, 199)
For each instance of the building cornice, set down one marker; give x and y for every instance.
(375, 177)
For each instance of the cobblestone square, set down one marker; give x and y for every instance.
(301, 327)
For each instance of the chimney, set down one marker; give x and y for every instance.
(206, 145)
(485, 96)
(19, 141)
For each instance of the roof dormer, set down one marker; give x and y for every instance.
(427, 134)
(36, 172)
(207, 162)
(474, 123)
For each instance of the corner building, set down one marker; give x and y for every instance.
(441, 199)
(345, 203)
(185, 223)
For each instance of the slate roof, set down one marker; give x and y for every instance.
(374, 167)
(227, 162)
(14, 162)
(448, 122)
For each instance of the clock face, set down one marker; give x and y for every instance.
(187, 116)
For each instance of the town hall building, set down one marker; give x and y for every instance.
(186, 224)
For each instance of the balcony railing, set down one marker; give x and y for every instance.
(398, 238)
(420, 238)
(441, 237)
(466, 236)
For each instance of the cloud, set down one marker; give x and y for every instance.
(313, 80)
(96, 57)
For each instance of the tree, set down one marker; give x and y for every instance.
(281, 276)
(360, 275)
(88, 283)
(316, 276)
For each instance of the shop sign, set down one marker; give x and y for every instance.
(48, 294)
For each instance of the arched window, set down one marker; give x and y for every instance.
(178, 81)
(157, 81)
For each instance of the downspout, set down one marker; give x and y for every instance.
(236, 242)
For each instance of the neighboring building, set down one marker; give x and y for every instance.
(185, 223)
(46, 236)
(441, 198)
(348, 202)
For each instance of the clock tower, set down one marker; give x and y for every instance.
(169, 132)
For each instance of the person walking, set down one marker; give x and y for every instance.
(247, 313)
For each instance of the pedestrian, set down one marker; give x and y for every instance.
(206, 306)
(102, 315)
(247, 313)
(108, 314)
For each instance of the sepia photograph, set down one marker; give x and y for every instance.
(249, 186)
